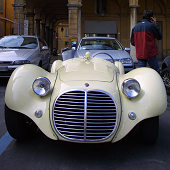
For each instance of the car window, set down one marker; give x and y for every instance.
(18, 42)
(100, 44)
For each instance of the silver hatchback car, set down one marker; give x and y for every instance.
(16, 50)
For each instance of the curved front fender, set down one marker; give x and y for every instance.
(151, 102)
(20, 97)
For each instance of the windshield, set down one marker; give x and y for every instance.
(100, 44)
(18, 42)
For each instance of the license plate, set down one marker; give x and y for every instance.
(3, 68)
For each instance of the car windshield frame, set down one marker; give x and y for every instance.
(100, 44)
(20, 42)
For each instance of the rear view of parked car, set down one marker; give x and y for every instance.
(16, 50)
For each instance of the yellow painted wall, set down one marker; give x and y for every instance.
(116, 11)
(119, 11)
(8, 12)
(62, 37)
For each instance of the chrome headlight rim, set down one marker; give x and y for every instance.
(133, 90)
(44, 85)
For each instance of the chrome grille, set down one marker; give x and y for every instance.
(85, 115)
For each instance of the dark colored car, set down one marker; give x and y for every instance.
(165, 73)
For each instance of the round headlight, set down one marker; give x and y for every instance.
(41, 86)
(131, 88)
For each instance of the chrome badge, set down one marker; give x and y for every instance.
(86, 84)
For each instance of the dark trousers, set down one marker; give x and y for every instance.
(153, 63)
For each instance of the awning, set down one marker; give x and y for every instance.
(100, 27)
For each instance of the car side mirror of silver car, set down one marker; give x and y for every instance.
(127, 49)
(44, 48)
(64, 49)
(73, 48)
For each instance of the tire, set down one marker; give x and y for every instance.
(149, 130)
(48, 64)
(48, 67)
(40, 64)
(166, 79)
(17, 125)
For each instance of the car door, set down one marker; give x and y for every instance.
(44, 53)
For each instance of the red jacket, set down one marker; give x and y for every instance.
(143, 37)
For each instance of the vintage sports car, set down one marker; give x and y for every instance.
(16, 50)
(86, 100)
(165, 73)
(102, 44)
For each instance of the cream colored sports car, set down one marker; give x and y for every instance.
(85, 100)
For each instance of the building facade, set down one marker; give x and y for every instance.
(60, 22)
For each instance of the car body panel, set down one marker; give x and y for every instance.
(25, 101)
(146, 105)
(11, 55)
(91, 71)
(20, 97)
(116, 54)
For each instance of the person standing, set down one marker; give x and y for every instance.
(143, 37)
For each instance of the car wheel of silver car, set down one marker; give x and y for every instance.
(149, 130)
(17, 125)
(166, 79)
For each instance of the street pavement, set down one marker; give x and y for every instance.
(41, 153)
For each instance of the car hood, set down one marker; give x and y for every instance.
(81, 69)
(116, 54)
(15, 54)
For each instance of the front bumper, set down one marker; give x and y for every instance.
(6, 71)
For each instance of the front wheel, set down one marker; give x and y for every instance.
(17, 124)
(149, 130)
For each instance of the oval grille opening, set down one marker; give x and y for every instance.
(85, 115)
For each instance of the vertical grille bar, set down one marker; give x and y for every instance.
(85, 115)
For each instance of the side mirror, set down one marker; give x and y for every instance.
(44, 48)
(73, 48)
(127, 49)
(64, 49)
